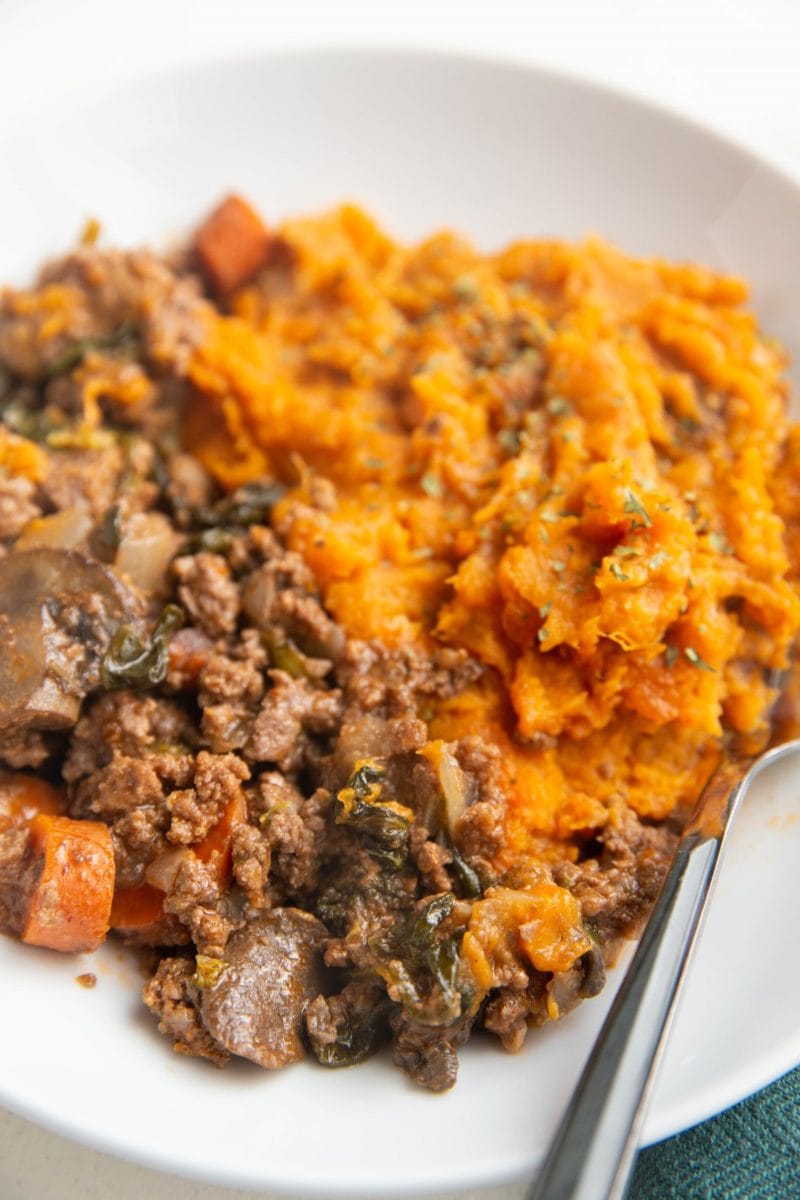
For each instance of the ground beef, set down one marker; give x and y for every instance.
(295, 829)
(480, 831)
(126, 783)
(138, 838)
(375, 676)
(169, 996)
(431, 860)
(290, 712)
(194, 811)
(13, 844)
(189, 484)
(196, 899)
(224, 678)
(137, 288)
(427, 1053)
(274, 793)
(617, 890)
(86, 479)
(229, 693)
(17, 505)
(306, 621)
(126, 756)
(512, 1009)
(24, 748)
(252, 858)
(128, 723)
(226, 727)
(281, 571)
(507, 1015)
(207, 592)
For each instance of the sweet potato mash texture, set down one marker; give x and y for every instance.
(575, 465)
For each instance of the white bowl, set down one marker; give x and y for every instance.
(497, 152)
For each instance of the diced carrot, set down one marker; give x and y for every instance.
(232, 244)
(23, 796)
(135, 907)
(218, 841)
(73, 864)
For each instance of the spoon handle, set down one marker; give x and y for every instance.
(593, 1150)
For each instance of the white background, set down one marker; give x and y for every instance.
(731, 65)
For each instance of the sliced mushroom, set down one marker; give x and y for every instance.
(58, 610)
(273, 971)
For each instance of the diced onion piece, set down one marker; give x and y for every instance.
(451, 780)
(162, 871)
(59, 531)
(145, 551)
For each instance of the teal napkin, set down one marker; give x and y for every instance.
(750, 1152)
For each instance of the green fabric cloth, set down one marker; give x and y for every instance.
(750, 1152)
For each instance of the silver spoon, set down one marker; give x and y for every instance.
(593, 1150)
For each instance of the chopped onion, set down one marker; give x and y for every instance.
(146, 548)
(162, 871)
(59, 531)
(451, 780)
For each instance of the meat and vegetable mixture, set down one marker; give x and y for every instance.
(370, 616)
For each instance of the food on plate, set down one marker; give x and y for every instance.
(371, 617)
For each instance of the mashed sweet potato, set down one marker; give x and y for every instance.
(575, 465)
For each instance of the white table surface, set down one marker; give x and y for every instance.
(732, 66)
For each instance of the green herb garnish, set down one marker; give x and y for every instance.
(558, 406)
(431, 485)
(509, 440)
(634, 505)
(720, 543)
(696, 661)
(466, 289)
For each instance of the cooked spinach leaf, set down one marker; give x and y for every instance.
(421, 967)
(248, 505)
(130, 662)
(356, 1040)
(467, 877)
(383, 825)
